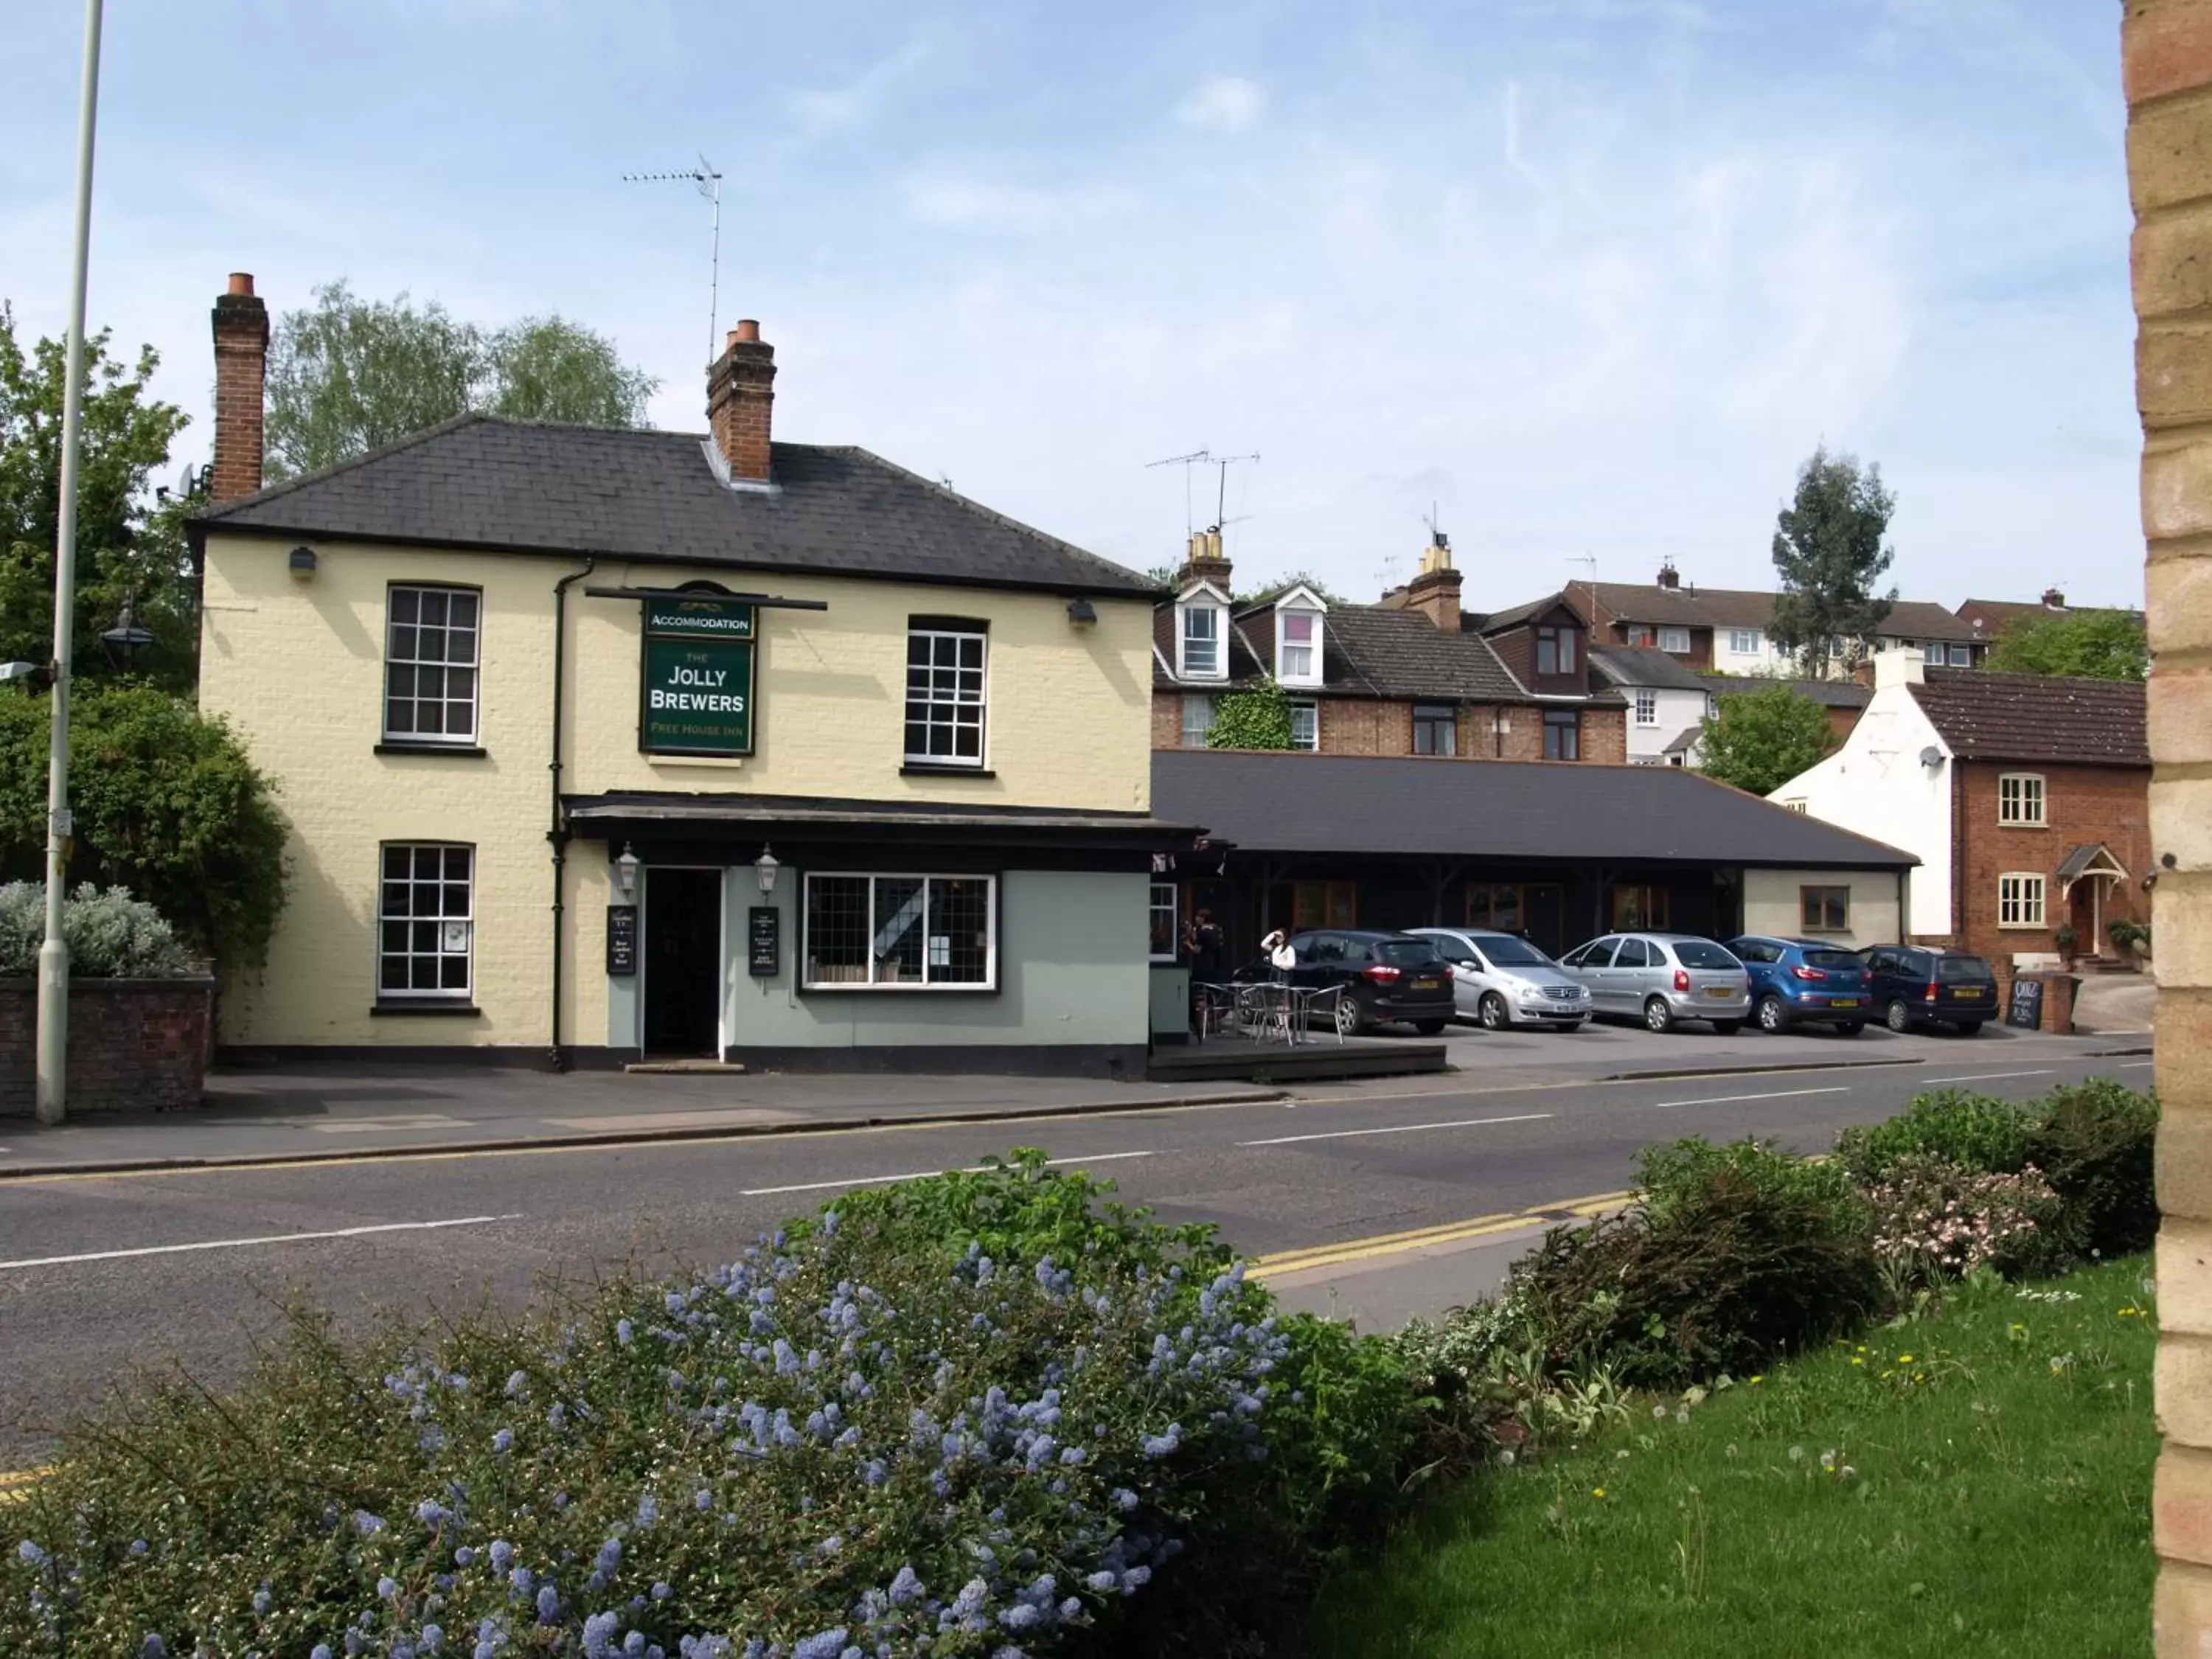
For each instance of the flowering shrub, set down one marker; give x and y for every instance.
(1935, 1221)
(835, 1448)
(1955, 1126)
(109, 934)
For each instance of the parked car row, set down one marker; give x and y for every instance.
(1425, 976)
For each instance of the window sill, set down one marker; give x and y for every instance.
(932, 769)
(425, 1009)
(2006, 824)
(835, 989)
(462, 750)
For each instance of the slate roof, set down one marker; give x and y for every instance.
(2036, 717)
(1829, 694)
(1726, 607)
(480, 483)
(1626, 664)
(1499, 621)
(1367, 651)
(1532, 810)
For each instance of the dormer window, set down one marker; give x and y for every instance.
(1298, 648)
(1555, 651)
(1202, 631)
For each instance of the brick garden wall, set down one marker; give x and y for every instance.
(2166, 71)
(134, 1044)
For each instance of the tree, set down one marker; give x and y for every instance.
(1758, 740)
(2094, 645)
(1828, 548)
(346, 374)
(1259, 718)
(167, 804)
(130, 543)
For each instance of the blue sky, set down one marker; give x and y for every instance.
(1591, 275)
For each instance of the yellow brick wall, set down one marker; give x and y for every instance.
(297, 666)
(2166, 64)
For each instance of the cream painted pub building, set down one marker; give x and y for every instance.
(599, 743)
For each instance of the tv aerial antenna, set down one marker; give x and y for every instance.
(1203, 457)
(708, 183)
(1588, 562)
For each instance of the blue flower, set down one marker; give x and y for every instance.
(502, 1554)
(137, 1546)
(516, 1382)
(703, 1500)
(321, 1650)
(623, 1331)
(522, 1578)
(432, 1638)
(1100, 1583)
(549, 1604)
(31, 1554)
(599, 1636)
(648, 1510)
(1021, 1616)
(609, 1555)
(365, 1524)
(503, 1442)
(387, 1586)
(262, 1600)
(153, 1647)
(823, 1644)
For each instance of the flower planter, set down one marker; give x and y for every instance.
(134, 1044)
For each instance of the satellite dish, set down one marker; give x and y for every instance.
(1931, 757)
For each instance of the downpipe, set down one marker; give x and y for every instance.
(556, 830)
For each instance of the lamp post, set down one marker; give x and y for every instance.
(53, 954)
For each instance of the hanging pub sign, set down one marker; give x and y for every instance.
(697, 692)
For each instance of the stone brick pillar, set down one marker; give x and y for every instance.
(741, 402)
(2167, 67)
(241, 364)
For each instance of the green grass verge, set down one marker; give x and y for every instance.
(1975, 1481)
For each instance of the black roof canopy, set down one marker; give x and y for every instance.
(483, 483)
(1529, 810)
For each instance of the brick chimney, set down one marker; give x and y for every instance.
(1207, 562)
(740, 396)
(2053, 599)
(1670, 578)
(1434, 591)
(241, 366)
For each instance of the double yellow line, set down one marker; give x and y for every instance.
(1421, 1238)
(16, 1484)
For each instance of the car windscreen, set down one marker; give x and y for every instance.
(1961, 971)
(1451, 949)
(1405, 952)
(1700, 953)
(1504, 953)
(1831, 959)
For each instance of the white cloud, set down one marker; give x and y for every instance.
(1224, 103)
(821, 111)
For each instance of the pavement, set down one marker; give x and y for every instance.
(1372, 1201)
(255, 1116)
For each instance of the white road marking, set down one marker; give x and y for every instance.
(1395, 1130)
(1989, 1077)
(270, 1239)
(1729, 1100)
(912, 1175)
(2126, 1065)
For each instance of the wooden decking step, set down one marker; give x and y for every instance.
(683, 1067)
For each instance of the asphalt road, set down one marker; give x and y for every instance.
(99, 1274)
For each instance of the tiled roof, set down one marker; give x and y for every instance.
(2036, 717)
(1499, 621)
(525, 486)
(1344, 804)
(1724, 607)
(1627, 664)
(1990, 618)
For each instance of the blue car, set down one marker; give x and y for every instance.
(1804, 981)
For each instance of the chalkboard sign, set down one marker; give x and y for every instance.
(622, 940)
(2027, 1009)
(763, 936)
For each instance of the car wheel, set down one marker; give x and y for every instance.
(1897, 1017)
(1657, 1016)
(1350, 1022)
(1850, 1027)
(1726, 1027)
(1773, 1017)
(1491, 1012)
(1428, 1027)
(1968, 1027)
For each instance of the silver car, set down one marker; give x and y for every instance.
(1661, 978)
(1502, 980)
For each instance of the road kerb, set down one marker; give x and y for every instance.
(1666, 1074)
(562, 1143)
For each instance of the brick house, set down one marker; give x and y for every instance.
(1730, 631)
(1410, 675)
(2024, 796)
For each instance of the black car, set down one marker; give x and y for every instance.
(1916, 985)
(1388, 977)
